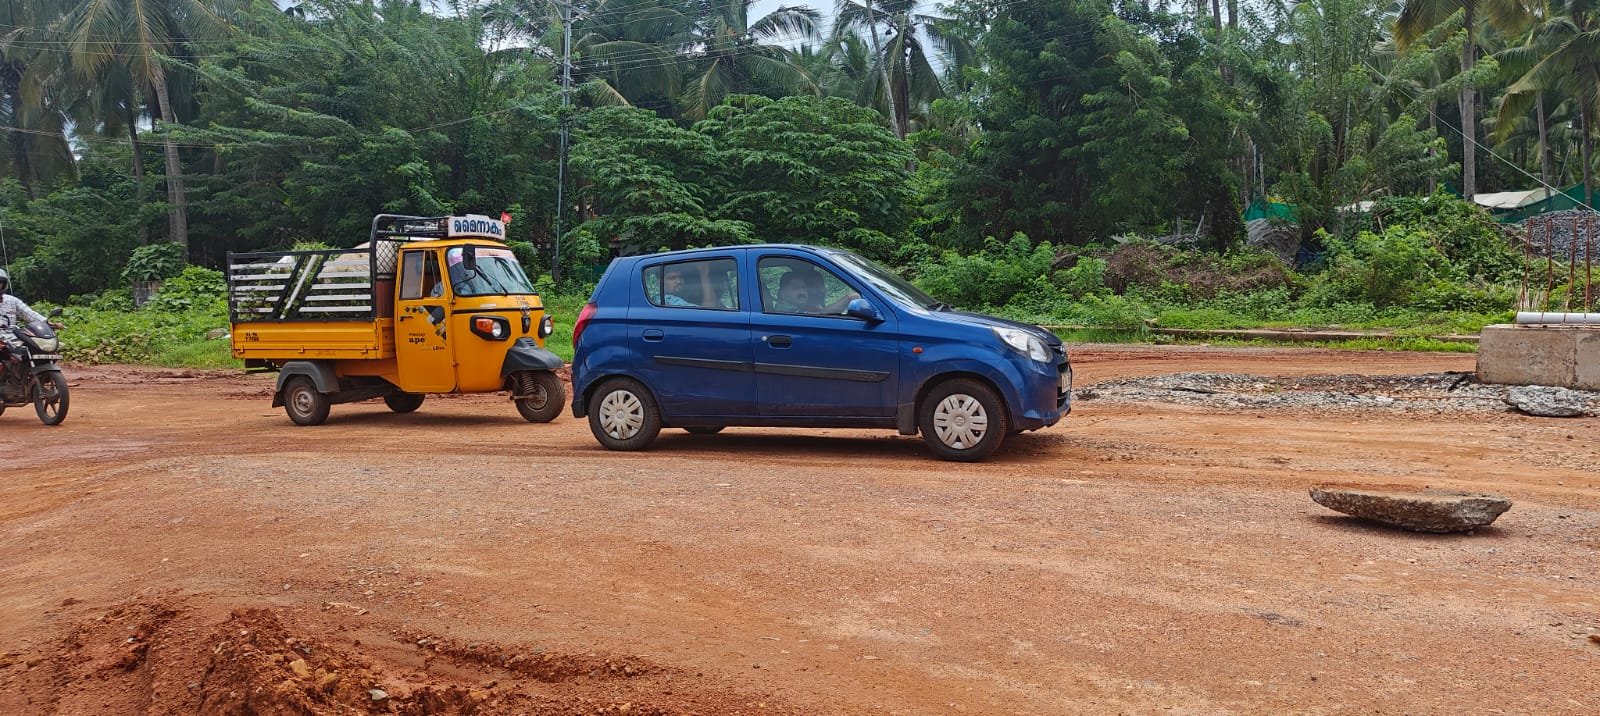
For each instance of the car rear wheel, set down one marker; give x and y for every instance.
(962, 420)
(623, 415)
(303, 403)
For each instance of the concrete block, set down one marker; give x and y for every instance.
(1561, 356)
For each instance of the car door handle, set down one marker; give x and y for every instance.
(778, 341)
(653, 334)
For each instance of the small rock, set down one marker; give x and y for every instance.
(1546, 402)
(300, 668)
(1594, 638)
(216, 334)
(378, 694)
(327, 681)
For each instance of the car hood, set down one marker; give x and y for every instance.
(969, 318)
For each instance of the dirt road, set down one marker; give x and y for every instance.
(178, 546)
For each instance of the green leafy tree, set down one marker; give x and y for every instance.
(808, 170)
(1418, 17)
(139, 36)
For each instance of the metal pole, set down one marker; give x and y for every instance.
(561, 167)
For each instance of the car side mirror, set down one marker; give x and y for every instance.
(864, 310)
(469, 258)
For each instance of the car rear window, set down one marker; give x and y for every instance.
(707, 283)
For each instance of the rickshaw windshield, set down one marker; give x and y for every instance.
(498, 273)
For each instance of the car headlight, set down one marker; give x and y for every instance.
(1025, 342)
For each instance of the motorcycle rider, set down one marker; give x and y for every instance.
(12, 312)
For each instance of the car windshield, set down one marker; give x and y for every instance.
(885, 281)
(498, 273)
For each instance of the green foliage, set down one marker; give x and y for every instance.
(154, 262)
(196, 288)
(1476, 246)
(991, 277)
(1385, 269)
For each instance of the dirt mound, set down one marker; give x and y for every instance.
(164, 656)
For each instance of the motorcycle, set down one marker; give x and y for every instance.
(31, 371)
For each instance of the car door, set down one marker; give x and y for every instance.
(690, 330)
(421, 338)
(812, 360)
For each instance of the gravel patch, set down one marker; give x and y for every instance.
(1432, 393)
(1553, 233)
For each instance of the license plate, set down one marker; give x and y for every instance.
(1064, 382)
(45, 356)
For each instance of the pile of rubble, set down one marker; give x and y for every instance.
(1435, 393)
(1561, 234)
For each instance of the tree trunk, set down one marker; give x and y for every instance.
(1216, 14)
(177, 207)
(1586, 154)
(1233, 14)
(1544, 145)
(1469, 114)
(883, 65)
(138, 166)
(1433, 125)
(133, 139)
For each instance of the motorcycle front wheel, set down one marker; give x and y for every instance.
(50, 397)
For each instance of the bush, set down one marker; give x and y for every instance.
(991, 277)
(1382, 269)
(195, 287)
(154, 262)
(1475, 245)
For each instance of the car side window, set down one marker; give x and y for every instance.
(707, 283)
(419, 275)
(797, 286)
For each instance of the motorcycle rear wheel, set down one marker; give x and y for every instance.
(50, 397)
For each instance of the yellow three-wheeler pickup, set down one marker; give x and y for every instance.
(428, 305)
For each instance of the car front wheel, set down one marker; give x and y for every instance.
(962, 420)
(623, 415)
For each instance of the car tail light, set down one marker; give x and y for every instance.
(583, 322)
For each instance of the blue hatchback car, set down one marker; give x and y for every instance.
(800, 336)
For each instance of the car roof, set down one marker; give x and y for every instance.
(689, 253)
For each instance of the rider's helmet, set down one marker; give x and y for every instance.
(5, 282)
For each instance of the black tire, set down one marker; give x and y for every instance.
(704, 429)
(304, 404)
(623, 415)
(962, 420)
(544, 405)
(50, 398)
(404, 402)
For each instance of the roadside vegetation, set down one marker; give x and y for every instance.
(1084, 164)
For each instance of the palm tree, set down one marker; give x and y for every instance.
(35, 106)
(626, 51)
(1417, 17)
(729, 56)
(903, 63)
(1569, 45)
(106, 36)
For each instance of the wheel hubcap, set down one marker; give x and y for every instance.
(537, 398)
(303, 401)
(621, 414)
(960, 422)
